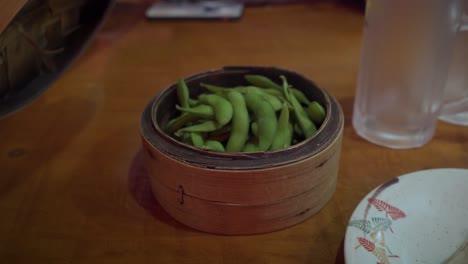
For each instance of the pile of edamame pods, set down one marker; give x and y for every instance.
(259, 116)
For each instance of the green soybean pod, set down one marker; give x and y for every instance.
(273, 100)
(240, 122)
(197, 139)
(250, 147)
(201, 111)
(274, 92)
(183, 93)
(214, 88)
(316, 112)
(178, 122)
(223, 109)
(192, 102)
(289, 136)
(223, 90)
(285, 88)
(307, 126)
(206, 126)
(281, 136)
(300, 96)
(271, 91)
(213, 145)
(265, 117)
(261, 81)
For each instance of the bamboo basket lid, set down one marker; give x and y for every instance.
(39, 40)
(8, 10)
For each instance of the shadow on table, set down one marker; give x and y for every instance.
(340, 254)
(139, 185)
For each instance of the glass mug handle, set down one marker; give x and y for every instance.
(464, 23)
(460, 103)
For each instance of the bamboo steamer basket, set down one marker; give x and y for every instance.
(39, 40)
(241, 193)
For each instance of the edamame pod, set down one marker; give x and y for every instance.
(250, 147)
(214, 88)
(220, 90)
(285, 88)
(307, 126)
(206, 126)
(265, 118)
(176, 123)
(240, 122)
(289, 136)
(183, 93)
(273, 100)
(316, 112)
(197, 139)
(300, 96)
(261, 81)
(213, 145)
(274, 92)
(201, 111)
(223, 109)
(270, 91)
(192, 102)
(282, 135)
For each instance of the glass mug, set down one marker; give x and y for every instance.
(405, 57)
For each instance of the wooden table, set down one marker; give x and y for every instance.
(73, 188)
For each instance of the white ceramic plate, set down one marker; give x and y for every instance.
(421, 217)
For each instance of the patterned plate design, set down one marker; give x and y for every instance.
(421, 217)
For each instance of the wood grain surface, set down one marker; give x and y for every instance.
(73, 188)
